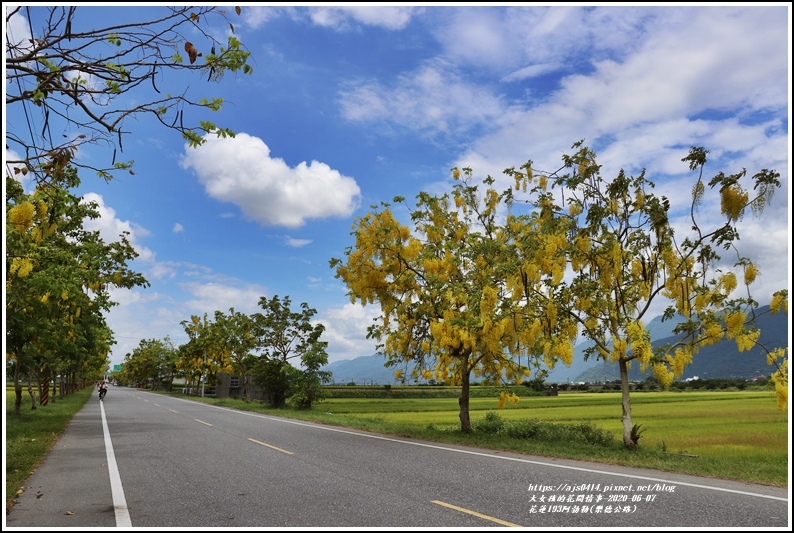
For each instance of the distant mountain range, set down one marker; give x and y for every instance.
(722, 360)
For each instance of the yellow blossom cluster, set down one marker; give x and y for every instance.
(618, 349)
(727, 282)
(750, 273)
(21, 216)
(712, 333)
(734, 323)
(733, 200)
(562, 349)
(639, 200)
(779, 302)
(661, 373)
(681, 359)
(21, 266)
(702, 300)
(747, 340)
(505, 397)
(780, 379)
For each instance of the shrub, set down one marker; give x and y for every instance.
(523, 429)
(548, 431)
(593, 434)
(491, 424)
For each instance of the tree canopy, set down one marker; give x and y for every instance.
(451, 305)
(58, 281)
(480, 281)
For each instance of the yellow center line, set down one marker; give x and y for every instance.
(478, 515)
(269, 446)
(200, 422)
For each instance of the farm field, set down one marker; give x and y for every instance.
(730, 435)
(684, 422)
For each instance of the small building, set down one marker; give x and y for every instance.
(228, 386)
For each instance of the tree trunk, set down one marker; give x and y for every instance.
(33, 402)
(17, 389)
(463, 401)
(628, 437)
(44, 388)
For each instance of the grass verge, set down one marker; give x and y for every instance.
(31, 434)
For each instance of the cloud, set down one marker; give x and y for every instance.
(110, 228)
(209, 296)
(513, 38)
(662, 96)
(178, 228)
(686, 70)
(17, 32)
(346, 329)
(342, 18)
(531, 71)
(256, 16)
(241, 171)
(296, 243)
(156, 314)
(431, 98)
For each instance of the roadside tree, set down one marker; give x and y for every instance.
(307, 385)
(285, 337)
(58, 282)
(205, 353)
(234, 333)
(605, 250)
(152, 361)
(451, 305)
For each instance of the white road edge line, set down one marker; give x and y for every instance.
(119, 501)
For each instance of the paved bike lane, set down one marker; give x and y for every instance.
(73, 482)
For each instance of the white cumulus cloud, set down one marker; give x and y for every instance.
(110, 228)
(241, 171)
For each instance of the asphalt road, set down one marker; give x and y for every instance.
(143, 460)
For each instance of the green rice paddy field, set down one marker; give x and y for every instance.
(684, 422)
(704, 433)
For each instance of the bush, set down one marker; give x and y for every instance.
(582, 432)
(594, 435)
(523, 429)
(491, 424)
(299, 401)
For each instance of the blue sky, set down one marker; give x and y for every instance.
(350, 106)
